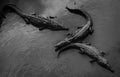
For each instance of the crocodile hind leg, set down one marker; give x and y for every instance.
(27, 21)
(91, 30)
(103, 53)
(82, 51)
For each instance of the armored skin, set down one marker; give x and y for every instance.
(92, 52)
(81, 33)
(39, 22)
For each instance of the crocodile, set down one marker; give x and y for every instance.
(90, 51)
(81, 33)
(39, 22)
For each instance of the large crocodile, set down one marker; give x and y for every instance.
(81, 33)
(90, 51)
(39, 22)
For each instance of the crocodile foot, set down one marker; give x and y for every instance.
(52, 17)
(91, 30)
(82, 51)
(69, 35)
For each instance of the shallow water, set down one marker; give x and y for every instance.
(27, 52)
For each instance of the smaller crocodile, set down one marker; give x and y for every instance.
(92, 52)
(81, 33)
(39, 22)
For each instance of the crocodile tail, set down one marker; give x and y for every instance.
(12, 8)
(82, 13)
(106, 66)
(62, 44)
(70, 46)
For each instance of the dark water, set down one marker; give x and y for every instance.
(27, 52)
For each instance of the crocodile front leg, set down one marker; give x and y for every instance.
(27, 21)
(69, 35)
